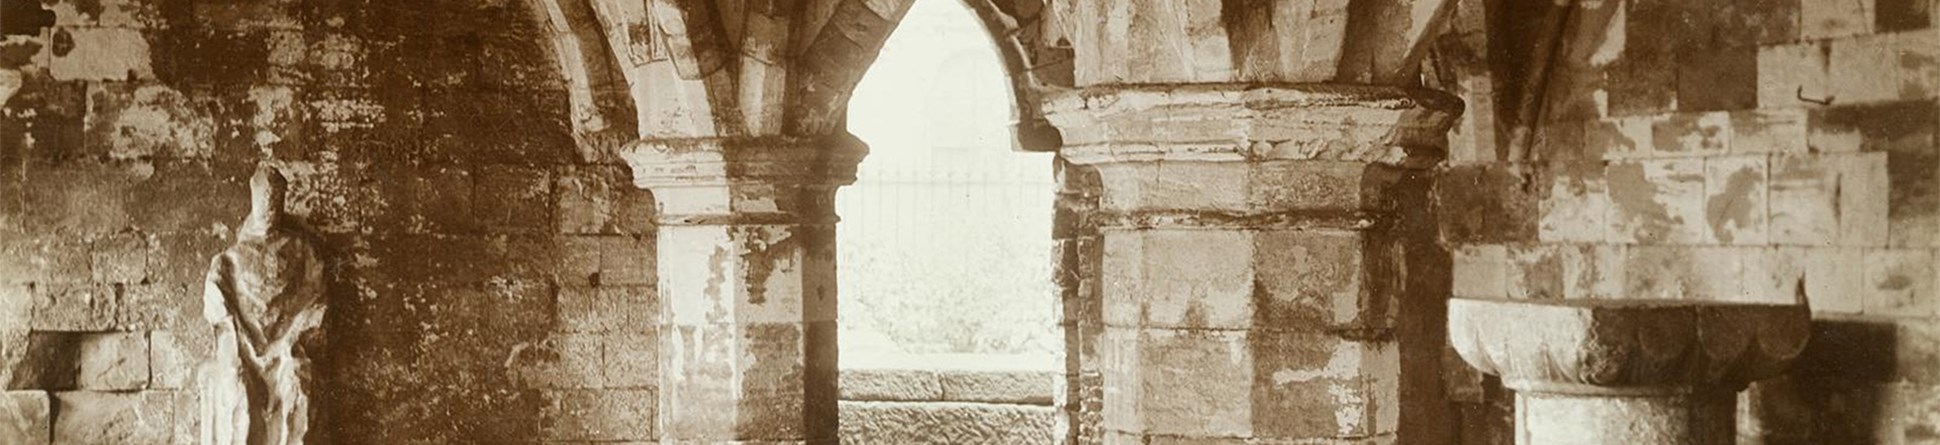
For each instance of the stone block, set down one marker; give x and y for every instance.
(579, 261)
(1577, 208)
(1481, 271)
(1657, 201)
(1803, 201)
(74, 308)
(1486, 204)
(1905, 132)
(1780, 131)
(912, 423)
(112, 361)
(1179, 278)
(1900, 282)
(910, 385)
(1832, 276)
(626, 260)
(1691, 134)
(1017, 387)
(1794, 75)
(1734, 208)
(1886, 67)
(171, 364)
(1178, 382)
(120, 258)
(139, 121)
(1534, 272)
(1302, 278)
(131, 418)
(1825, 20)
(562, 361)
(1296, 376)
(1863, 192)
(1904, 15)
(598, 415)
(99, 54)
(1716, 79)
(1621, 137)
(437, 200)
(632, 358)
(585, 203)
(513, 198)
(1682, 273)
(25, 418)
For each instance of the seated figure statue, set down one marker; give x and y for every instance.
(261, 296)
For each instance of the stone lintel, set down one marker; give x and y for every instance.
(1244, 122)
(1620, 348)
(745, 180)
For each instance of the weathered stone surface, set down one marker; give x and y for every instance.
(598, 415)
(25, 418)
(902, 423)
(915, 385)
(138, 418)
(1018, 387)
(112, 361)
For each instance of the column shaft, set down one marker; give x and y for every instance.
(1702, 418)
(1265, 255)
(746, 261)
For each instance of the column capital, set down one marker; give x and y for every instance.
(1252, 122)
(1627, 347)
(745, 179)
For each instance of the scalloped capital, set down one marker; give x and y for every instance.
(1627, 347)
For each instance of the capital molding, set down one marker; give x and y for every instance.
(1248, 122)
(745, 180)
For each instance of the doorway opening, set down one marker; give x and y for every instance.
(944, 249)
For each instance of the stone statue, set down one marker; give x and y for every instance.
(261, 296)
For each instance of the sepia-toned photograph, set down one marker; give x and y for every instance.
(970, 222)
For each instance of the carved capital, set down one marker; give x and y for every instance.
(1627, 347)
(1237, 122)
(745, 180)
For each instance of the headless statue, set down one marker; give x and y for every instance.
(261, 296)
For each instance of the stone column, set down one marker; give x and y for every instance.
(747, 284)
(1268, 269)
(1598, 372)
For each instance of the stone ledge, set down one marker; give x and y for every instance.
(918, 423)
(1023, 387)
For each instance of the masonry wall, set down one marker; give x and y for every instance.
(490, 280)
(1747, 150)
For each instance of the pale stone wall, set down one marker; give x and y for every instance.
(1718, 150)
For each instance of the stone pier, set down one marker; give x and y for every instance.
(1607, 372)
(1266, 253)
(747, 281)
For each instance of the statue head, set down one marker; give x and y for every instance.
(267, 190)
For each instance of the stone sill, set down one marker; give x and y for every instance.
(1019, 380)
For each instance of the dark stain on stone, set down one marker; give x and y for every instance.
(1901, 15)
(63, 43)
(18, 54)
(1728, 208)
(1897, 282)
(90, 8)
(759, 257)
(716, 274)
(1636, 199)
(1915, 62)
